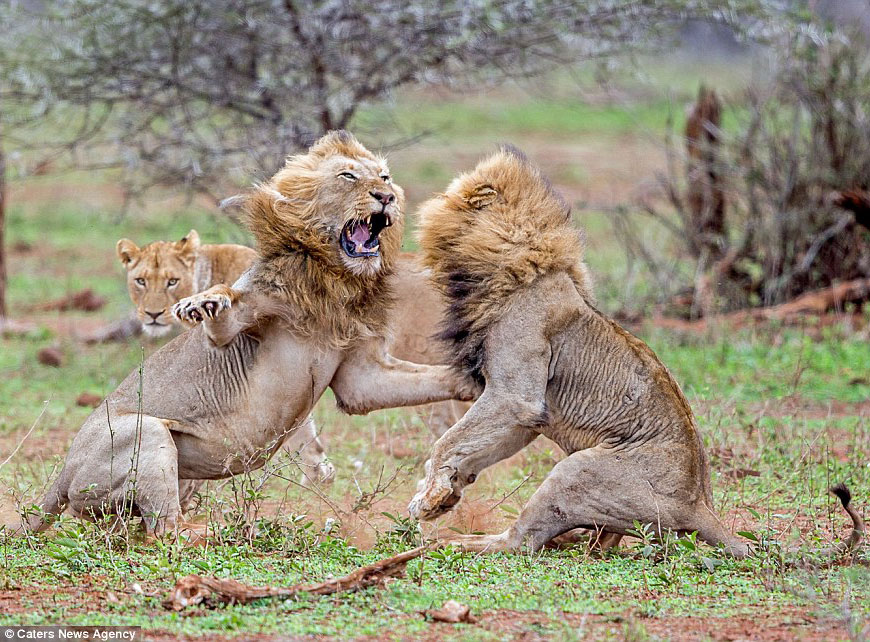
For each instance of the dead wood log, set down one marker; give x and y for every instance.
(820, 301)
(836, 297)
(193, 589)
(85, 300)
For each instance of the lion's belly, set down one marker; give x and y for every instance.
(282, 387)
(231, 408)
(621, 397)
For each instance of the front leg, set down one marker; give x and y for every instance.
(496, 427)
(505, 419)
(219, 309)
(369, 379)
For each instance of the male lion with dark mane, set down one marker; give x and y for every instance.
(501, 245)
(312, 313)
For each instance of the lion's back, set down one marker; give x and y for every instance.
(227, 262)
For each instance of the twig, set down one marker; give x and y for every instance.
(504, 499)
(6, 461)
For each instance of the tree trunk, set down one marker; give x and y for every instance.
(706, 194)
(2, 229)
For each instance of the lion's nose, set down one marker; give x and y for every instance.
(154, 315)
(383, 197)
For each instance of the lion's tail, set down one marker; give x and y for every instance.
(841, 491)
(55, 502)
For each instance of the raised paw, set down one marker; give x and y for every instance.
(199, 307)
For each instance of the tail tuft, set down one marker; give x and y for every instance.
(843, 494)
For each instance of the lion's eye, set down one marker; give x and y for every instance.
(348, 176)
(386, 178)
(140, 282)
(171, 282)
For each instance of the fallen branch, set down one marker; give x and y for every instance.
(820, 301)
(84, 300)
(193, 589)
(816, 302)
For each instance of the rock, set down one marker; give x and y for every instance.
(452, 612)
(50, 357)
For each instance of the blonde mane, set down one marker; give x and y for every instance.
(295, 221)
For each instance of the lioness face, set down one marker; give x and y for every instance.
(361, 192)
(158, 275)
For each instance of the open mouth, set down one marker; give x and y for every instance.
(359, 237)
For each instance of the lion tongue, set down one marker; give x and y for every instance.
(360, 234)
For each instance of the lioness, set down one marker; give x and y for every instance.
(501, 245)
(312, 313)
(161, 273)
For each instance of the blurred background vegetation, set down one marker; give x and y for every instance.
(140, 111)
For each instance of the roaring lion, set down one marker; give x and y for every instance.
(311, 313)
(501, 245)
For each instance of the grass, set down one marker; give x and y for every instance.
(782, 410)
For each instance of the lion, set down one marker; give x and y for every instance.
(523, 329)
(312, 313)
(161, 273)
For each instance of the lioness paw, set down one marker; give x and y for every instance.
(199, 307)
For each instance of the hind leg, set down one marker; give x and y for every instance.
(603, 489)
(186, 490)
(315, 465)
(156, 483)
(135, 472)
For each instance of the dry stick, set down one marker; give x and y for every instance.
(193, 589)
(505, 498)
(42, 412)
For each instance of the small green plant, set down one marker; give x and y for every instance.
(404, 533)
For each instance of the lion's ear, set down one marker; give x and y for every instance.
(188, 246)
(481, 196)
(127, 251)
(234, 206)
